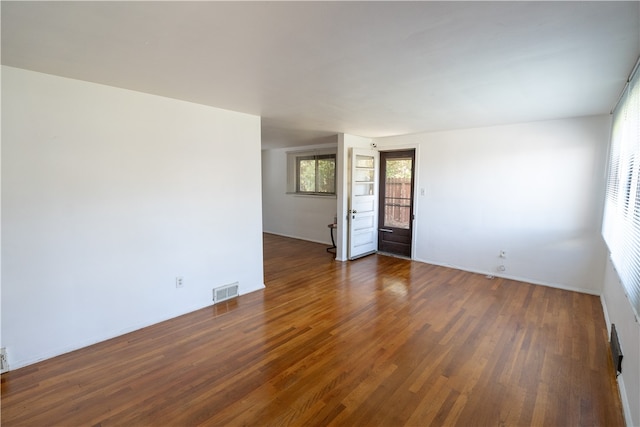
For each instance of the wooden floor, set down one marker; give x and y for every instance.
(380, 341)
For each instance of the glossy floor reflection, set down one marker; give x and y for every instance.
(380, 341)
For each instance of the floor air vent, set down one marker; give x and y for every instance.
(616, 352)
(224, 293)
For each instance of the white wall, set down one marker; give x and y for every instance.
(618, 310)
(107, 196)
(534, 190)
(292, 215)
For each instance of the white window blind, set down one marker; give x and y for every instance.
(621, 223)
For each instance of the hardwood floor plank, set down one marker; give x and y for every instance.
(380, 341)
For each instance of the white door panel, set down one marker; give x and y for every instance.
(363, 203)
(362, 224)
(362, 239)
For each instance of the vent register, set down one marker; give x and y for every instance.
(227, 292)
(616, 350)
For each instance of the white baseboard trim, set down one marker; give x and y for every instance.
(626, 407)
(516, 278)
(606, 314)
(298, 237)
(17, 364)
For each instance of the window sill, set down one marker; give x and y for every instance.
(313, 195)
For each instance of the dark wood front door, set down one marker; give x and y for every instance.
(395, 224)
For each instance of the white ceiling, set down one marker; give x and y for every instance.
(313, 69)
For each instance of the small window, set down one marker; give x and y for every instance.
(312, 173)
(316, 174)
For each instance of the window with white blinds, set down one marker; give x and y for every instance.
(621, 223)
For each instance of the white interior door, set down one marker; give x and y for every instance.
(363, 202)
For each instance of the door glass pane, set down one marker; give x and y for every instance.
(364, 175)
(364, 161)
(397, 201)
(363, 189)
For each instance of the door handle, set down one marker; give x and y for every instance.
(386, 230)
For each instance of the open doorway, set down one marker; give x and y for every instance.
(395, 222)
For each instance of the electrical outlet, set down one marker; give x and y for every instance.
(179, 282)
(4, 363)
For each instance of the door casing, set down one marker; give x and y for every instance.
(396, 240)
